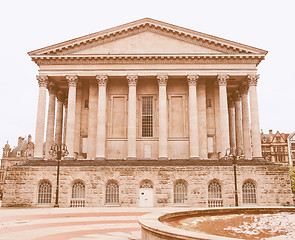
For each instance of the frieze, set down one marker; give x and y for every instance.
(192, 80)
(42, 80)
(222, 80)
(132, 80)
(162, 80)
(102, 80)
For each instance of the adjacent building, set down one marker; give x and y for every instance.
(147, 111)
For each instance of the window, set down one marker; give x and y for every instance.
(293, 155)
(147, 117)
(208, 103)
(78, 195)
(249, 193)
(180, 193)
(278, 139)
(112, 193)
(214, 195)
(292, 146)
(86, 104)
(44, 193)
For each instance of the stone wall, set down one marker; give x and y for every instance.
(272, 183)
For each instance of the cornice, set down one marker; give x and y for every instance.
(147, 59)
(152, 25)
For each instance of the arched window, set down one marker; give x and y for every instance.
(214, 195)
(180, 193)
(44, 193)
(112, 193)
(78, 195)
(249, 193)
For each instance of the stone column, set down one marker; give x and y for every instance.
(246, 123)
(255, 126)
(50, 121)
(70, 132)
(224, 124)
(232, 125)
(59, 119)
(101, 118)
(162, 81)
(202, 121)
(238, 120)
(40, 123)
(193, 117)
(132, 81)
(64, 135)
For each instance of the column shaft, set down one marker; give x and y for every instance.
(50, 122)
(92, 120)
(232, 126)
(238, 116)
(202, 121)
(40, 123)
(255, 126)
(224, 123)
(162, 80)
(132, 80)
(246, 123)
(58, 121)
(193, 117)
(101, 118)
(70, 132)
(64, 140)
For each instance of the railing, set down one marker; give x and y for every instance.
(215, 203)
(77, 203)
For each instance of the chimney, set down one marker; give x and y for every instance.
(270, 135)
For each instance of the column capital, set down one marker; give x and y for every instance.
(102, 80)
(72, 80)
(222, 79)
(252, 79)
(192, 80)
(162, 80)
(42, 80)
(244, 89)
(132, 80)
(237, 96)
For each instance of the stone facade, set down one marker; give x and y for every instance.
(147, 105)
(272, 182)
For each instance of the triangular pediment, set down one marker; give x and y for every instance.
(147, 36)
(147, 43)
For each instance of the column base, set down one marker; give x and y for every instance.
(100, 158)
(68, 158)
(163, 158)
(38, 158)
(131, 158)
(194, 158)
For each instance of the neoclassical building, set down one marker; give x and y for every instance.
(148, 109)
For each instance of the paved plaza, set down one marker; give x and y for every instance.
(71, 223)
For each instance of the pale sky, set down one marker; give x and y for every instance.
(32, 24)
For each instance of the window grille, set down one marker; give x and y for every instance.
(249, 193)
(44, 193)
(112, 193)
(180, 193)
(147, 117)
(78, 195)
(146, 184)
(214, 195)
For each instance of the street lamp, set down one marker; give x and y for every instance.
(235, 154)
(57, 152)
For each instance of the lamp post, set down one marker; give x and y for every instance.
(57, 152)
(235, 154)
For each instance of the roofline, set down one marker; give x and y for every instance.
(147, 21)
